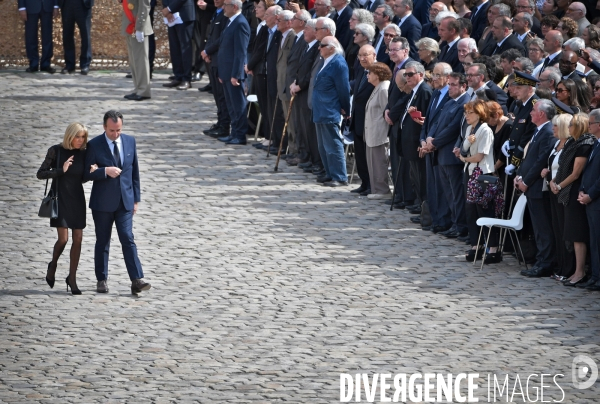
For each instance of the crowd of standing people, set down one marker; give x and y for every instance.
(431, 94)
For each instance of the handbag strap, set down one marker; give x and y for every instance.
(57, 166)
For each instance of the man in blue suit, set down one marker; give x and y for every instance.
(409, 25)
(449, 30)
(446, 131)
(589, 195)
(440, 212)
(77, 12)
(32, 11)
(232, 58)
(341, 16)
(331, 100)
(530, 182)
(479, 18)
(114, 199)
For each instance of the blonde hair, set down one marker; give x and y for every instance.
(72, 131)
(562, 122)
(580, 125)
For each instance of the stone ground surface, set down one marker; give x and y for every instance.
(265, 287)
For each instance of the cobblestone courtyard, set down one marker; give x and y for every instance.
(265, 286)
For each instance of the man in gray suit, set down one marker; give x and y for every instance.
(136, 27)
(284, 25)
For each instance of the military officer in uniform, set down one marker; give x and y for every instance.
(136, 27)
(523, 128)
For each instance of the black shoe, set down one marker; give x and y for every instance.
(471, 256)
(400, 205)
(222, 132)
(539, 272)
(414, 211)
(237, 142)
(323, 179)
(85, 71)
(416, 219)
(128, 76)
(135, 97)
(464, 239)
(365, 192)
(273, 150)
(48, 69)
(49, 281)
(216, 126)
(413, 207)
(184, 85)
(67, 71)
(335, 184)
(358, 190)
(172, 84)
(305, 165)
(570, 283)
(73, 291)
(308, 169)
(492, 258)
(437, 229)
(171, 78)
(318, 170)
(138, 285)
(588, 283)
(197, 77)
(594, 287)
(225, 139)
(450, 230)
(32, 69)
(206, 88)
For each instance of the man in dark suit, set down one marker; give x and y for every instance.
(304, 124)
(361, 92)
(589, 195)
(430, 28)
(341, 16)
(232, 58)
(421, 10)
(410, 129)
(180, 41)
(528, 6)
(372, 5)
(567, 65)
(382, 17)
(553, 47)
(115, 197)
(77, 12)
(479, 18)
(322, 9)
(409, 25)
(397, 99)
(449, 32)
(204, 13)
(446, 131)
(288, 38)
(438, 207)
(502, 32)
(530, 182)
(210, 54)
(32, 11)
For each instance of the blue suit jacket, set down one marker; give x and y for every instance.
(343, 33)
(429, 31)
(411, 30)
(421, 11)
(36, 6)
(432, 116)
(331, 92)
(446, 130)
(536, 160)
(233, 49)
(107, 191)
(479, 21)
(590, 181)
(451, 57)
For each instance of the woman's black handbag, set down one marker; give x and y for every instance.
(486, 180)
(49, 207)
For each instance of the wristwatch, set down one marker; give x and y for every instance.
(559, 187)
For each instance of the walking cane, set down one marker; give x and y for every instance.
(272, 124)
(283, 132)
(395, 185)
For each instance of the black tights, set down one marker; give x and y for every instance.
(59, 247)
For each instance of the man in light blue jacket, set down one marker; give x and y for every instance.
(331, 100)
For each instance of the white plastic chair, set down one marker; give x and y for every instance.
(513, 224)
(253, 100)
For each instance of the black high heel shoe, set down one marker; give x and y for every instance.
(73, 291)
(49, 281)
(473, 255)
(492, 258)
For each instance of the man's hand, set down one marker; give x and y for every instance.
(584, 199)
(112, 172)
(386, 115)
(165, 12)
(456, 151)
(93, 168)
(234, 82)
(23, 14)
(201, 4)
(139, 35)
(295, 88)
(343, 112)
(295, 7)
(135, 207)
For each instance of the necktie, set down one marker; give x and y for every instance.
(368, 5)
(443, 53)
(496, 49)
(412, 95)
(335, 17)
(363, 80)
(215, 15)
(270, 37)
(116, 154)
(434, 103)
(546, 61)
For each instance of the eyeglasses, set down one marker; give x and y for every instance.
(389, 35)
(562, 90)
(390, 50)
(316, 29)
(597, 88)
(409, 74)
(437, 76)
(324, 45)
(592, 123)
(472, 75)
(467, 64)
(364, 56)
(534, 50)
(358, 33)
(378, 14)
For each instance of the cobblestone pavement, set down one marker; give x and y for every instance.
(265, 286)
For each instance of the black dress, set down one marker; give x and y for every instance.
(71, 198)
(576, 221)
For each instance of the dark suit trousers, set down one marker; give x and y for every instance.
(236, 106)
(260, 89)
(123, 219)
(180, 44)
(360, 155)
(417, 179)
(31, 39)
(565, 259)
(404, 192)
(279, 122)
(151, 43)
(593, 216)
(539, 210)
(307, 129)
(451, 178)
(219, 96)
(200, 32)
(73, 13)
(440, 212)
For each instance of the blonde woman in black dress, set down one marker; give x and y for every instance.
(71, 199)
